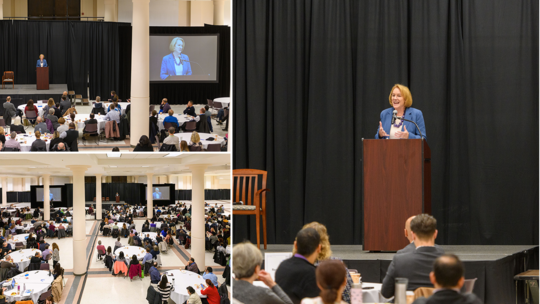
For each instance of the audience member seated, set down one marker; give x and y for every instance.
(171, 119)
(247, 261)
(115, 149)
(193, 296)
(113, 115)
(153, 123)
(144, 145)
(38, 144)
(36, 259)
(164, 107)
(12, 142)
(56, 140)
(331, 279)
(195, 142)
(172, 140)
(65, 104)
(190, 109)
(415, 265)
(208, 274)
(70, 135)
(49, 105)
(57, 111)
(184, 146)
(53, 119)
(41, 126)
(101, 250)
(62, 125)
(211, 292)
(2, 135)
(61, 147)
(154, 274)
(447, 277)
(296, 275)
(31, 107)
(72, 117)
(192, 266)
(16, 125)
(208, 115)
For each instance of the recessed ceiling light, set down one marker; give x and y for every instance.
(173, 154)
(114, 154)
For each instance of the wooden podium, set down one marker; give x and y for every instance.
(397, 185)
(118, 199)
(42, 78)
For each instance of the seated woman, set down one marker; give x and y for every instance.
(164, 288)
(195, 142)
(144, 145)
(211, 292)
(331, 278)
(121, 258)
(193, 296)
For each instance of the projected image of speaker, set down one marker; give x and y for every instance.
(55, 194)
(159, 193)
(190, 58)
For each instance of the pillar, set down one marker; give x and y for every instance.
(1, 9)
(149, 197)
(4, 191)
(71, 179)
(79, 221)
(46, 198)
(197, 215)
(109, 10)
(98, 197)
(140, 70)
(219, 12)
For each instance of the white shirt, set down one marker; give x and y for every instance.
(179, 68)
(393, 130)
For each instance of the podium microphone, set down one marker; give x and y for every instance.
(394, 117)
(403, 119)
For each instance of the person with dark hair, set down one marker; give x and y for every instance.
(190, 109)
(192, 266)
(208, 115)
(171, 139)
(193, 296)
(415, 265)
(447, 277)
(208, 274)
(70, 135)
(134, 260)
(296, 275)
(144, 145)
(31, 107)
(211, 292)
(165, 288)
(154, 274)
(331, 279)
(115, 149)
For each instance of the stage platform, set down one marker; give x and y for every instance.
(493, 266)
(87, 204)
(23, 92)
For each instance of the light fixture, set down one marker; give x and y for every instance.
(173, 154)
(114, 154)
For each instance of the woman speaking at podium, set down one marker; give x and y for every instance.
(395, 128)
(41, 63)
(175, 63)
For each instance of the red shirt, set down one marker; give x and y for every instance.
(101, 248)
(35, 109)
(212, 295)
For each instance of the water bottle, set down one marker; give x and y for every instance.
(356, 293)
(400, 294)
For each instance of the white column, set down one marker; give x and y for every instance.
(71, 179)
(4, 191)
(140, 70)
(1, 9)
(46, 198)
(79, 221)
(149, 197)
(197, 215)
(219, 12)
(98, 197)
(109, 10)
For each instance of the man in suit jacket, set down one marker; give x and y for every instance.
(38, 144)
(296, 275)
(65, 104)
(408, 234)
(70, 135)
(415, 265)
(41, 126)
(9, 108)
(41, 61)
(447, 277)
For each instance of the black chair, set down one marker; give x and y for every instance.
(91, 129)
(165, 147)
(4, 149)
(190, 126)
(167, 125)
(214, 147)
(195, 148)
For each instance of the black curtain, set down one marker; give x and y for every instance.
(181, 93)
(129, 192)
(73, 49)
(310, 81)
(209, 194)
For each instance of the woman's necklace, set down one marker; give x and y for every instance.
(177, 62)
(396, 124)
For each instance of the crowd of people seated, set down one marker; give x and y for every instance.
(313, 276)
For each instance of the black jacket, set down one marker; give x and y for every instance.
(153, 296)
(296, 277)
(448, 296)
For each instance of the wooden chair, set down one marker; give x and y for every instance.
(9, 76)
(246, 183)
(423, 292)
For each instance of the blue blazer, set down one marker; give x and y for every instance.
(410, 114)
(38, 64)
(168, 69)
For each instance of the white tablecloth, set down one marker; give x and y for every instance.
(181, 119)
(183, 279)
(129, 251)
(81, 118)
(24, 228)
(123, 105)
(152, 235)
(203, 136)
(373, 295)
(22, 257)
(18, 238)
(224, 101)
(38, 281)
(26, 140)
(39, 107)
(5, 219)
(167, 216)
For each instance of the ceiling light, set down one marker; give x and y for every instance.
(173, 154)
(114, 154)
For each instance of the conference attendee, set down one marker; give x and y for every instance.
(447, 277)
(153, 127)
(416, 265)
(50, 105)
(247, 261)
(36, 259)
(61, 147)
(42, 62)
(65, 104)
(408, 234)
(195, 141)
(71, 135)
(70, 110)
(65, 94)
(331, 279)
(12, 142)
(175, 63)
(62, 125)
(41, 126)
(72, 117)
(184, 146)
(115, 106)
(190, 109)
(53, 119)
(57, 111)
(192, 266)
(31, 107)
(208, 115)
(401, 101)
(16, 125)
(208, 274)
(113, 95)
(144, 145)
(296, 275)
(164, 107)
(193, 296)
(115, 149)
(113, 115)
(154, 274)
(38, 144)
(165, 288)
(9, 109)
(172, 140)
(55, 140)
(211, 292)
(171, 119)
(2, 135)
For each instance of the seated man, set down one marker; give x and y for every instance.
(208, 115)
(415, 265)
(65, 103)
(192, 266)
(36, 259)
(171, 119)
(8, 263)
(12, 142)
(208, 274)
(155, 277)
(296, 275)
(137, 239)
(70, 135)
(148, 239)
(164, 107)
(190, 109)
(61, 147)
(172, 140)
(38, 144)
(447, 277)
(41, 126)
(113, 115)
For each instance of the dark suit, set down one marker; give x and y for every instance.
(71, 136)
(415, 266)
(449, 296)
(10, 109)
(38, 145)
(296, 277)
(410, 248)
(58, 113)
(190, 111)
(165, 108)
(65, 105)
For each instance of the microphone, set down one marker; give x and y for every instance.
(403, 119)
(394, 116)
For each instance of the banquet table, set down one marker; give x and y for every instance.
(5, 219)
(39, 106)
(181, 119)
(152, 235)
(183, 279)
(27, 228)
(203, 136)
(223, 100)
(81, 118)
(18, 238)
(168, 216)
(129, 251)
(22, 257)
(37, 281)
(123, 105)
(26, 140)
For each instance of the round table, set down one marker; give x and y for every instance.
(37, 281)
(152, 235)
(223, 100)
(5, 219)
(203, 136)
(105, 106)
(22, 257)
(81, 118)
(182, 118)
(18, 238)
(39, 106)
(26, 140)
(129, 251)
(168, 216)
(183, 279)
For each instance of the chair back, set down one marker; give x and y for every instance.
(44, 266)
(31, 114)
(246, 183)
(210, 103)
(218, 105)
(45, 295)
(90, 128)
(2, 122)
(191, 126)
(166, 147)
(213, 147)
(167, 125)
(423, 292)
(8, 76)
(225, 112)
(468, 286)
(151, 109)
(195, 148)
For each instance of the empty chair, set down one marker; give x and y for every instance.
(191, 126)
(19, 245)
(44, 266)
(468, 285)
(213, 147)
(9, 76)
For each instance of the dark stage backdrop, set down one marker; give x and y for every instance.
(180, 93)
(310, 81)
(73, 49)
